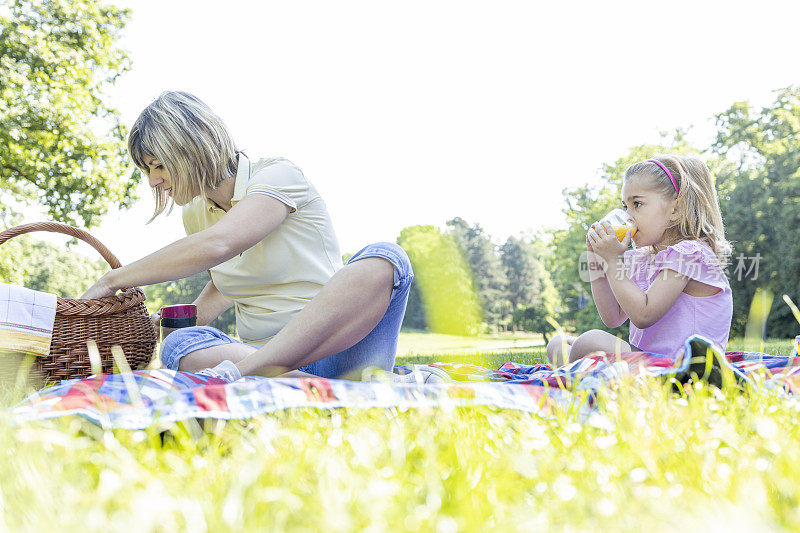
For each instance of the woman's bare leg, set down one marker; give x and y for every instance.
(347, 308)
(235, 352)
(209, 357)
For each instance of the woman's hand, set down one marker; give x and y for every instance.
(602, 240)
(155, 318)
(101, 288)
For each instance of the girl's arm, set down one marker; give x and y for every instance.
(646, 308)
(244, 225)
(610, 311)
(604, 300)
(643, 308)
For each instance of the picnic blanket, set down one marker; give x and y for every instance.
(140, 399)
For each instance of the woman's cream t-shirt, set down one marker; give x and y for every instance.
(270, 282)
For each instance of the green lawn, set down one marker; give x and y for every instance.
(485, 350)
(706, 460)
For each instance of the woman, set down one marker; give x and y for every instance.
(264, 235)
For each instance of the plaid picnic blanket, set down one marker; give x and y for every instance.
(139, 399)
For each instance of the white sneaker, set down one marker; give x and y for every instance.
(226, 371)
(423, 375)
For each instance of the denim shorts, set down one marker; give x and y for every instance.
(377, 349)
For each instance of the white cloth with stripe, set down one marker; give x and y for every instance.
(26, 320)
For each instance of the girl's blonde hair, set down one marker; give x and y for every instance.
(698, 207)
(192, 143)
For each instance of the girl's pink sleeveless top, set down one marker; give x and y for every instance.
(709, 316)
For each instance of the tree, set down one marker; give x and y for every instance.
(414, 318)
(47, 267)
(531, 291)
(66, 274)
(487, 270)
(758, 182)
(443, 278)
(12, 268)
(522, 270)
(61, 146)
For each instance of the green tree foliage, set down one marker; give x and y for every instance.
(522, 270)
(61, 146)
(13, 268)
(67, 274)
(531, 291)
(186, 291)
(414, 319)
(585, 205)
(758, 181)
(47, 267)
(488, 273)
(442, 275)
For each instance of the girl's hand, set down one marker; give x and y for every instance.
(604, 242)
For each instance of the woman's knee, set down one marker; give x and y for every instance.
(170, 346)
(183, 341)
(375, 273)
(391, 253)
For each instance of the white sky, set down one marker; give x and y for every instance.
(415, 112)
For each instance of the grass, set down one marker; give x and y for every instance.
(654, 460)
(414, 344)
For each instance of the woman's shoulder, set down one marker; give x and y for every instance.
(275, 170)
(272, 163)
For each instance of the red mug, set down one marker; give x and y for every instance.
(178, 316)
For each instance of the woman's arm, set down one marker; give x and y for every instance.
(247, 223)
(210, 304)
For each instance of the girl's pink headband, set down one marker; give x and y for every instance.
(665, 169)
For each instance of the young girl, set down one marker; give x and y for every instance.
(670, 286)
(263, 233)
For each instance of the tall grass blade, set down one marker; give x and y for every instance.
(94, 357)
(795, 310)
(127, 376)
(756, 328)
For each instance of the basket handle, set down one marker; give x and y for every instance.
(58, 227)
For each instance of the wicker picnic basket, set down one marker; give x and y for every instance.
(120, 320)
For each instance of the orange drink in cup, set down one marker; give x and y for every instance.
(621, 222)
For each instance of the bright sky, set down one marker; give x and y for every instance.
(415, 112)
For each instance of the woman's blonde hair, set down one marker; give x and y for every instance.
(192, 143)
(698, 207)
